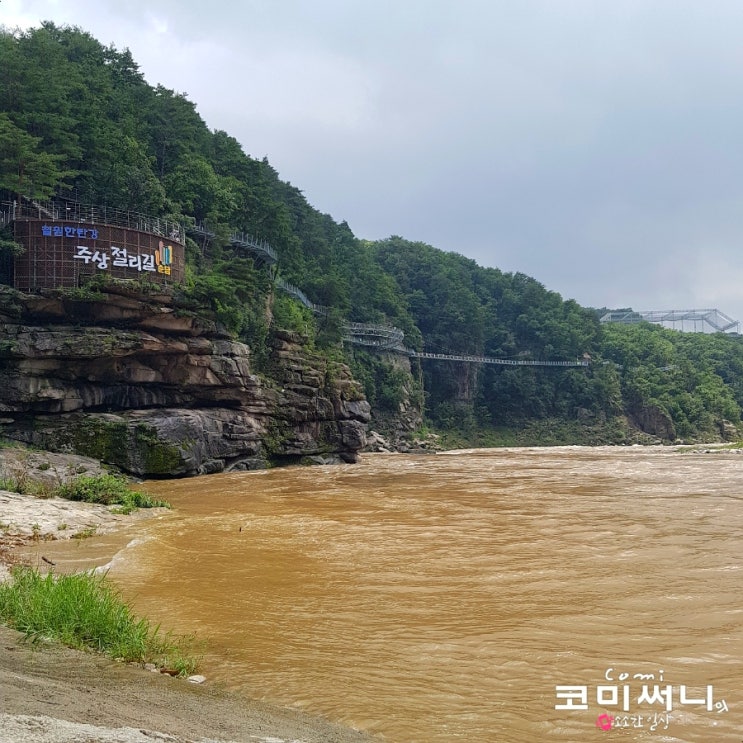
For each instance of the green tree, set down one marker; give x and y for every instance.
(25, 169)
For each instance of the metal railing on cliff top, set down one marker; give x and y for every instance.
(71, 211)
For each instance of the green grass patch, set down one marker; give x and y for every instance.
(108, 490)
(86, 533)
(11, 484)
(84, 611)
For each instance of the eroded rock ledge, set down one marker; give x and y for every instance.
(135, 381)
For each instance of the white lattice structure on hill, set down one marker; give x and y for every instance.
(712, 321)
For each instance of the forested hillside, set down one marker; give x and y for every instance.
(79, 121)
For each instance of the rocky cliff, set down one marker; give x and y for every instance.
(140, 383)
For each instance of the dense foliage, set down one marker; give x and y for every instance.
(108, 490)
(78, 119)
(694, 380)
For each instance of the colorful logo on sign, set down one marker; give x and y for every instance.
(164, 258)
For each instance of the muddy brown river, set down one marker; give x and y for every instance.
(561, 594)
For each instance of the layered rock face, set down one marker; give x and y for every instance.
(136, 382)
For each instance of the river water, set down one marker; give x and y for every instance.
(489, 595)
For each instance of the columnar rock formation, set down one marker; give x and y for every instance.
(137, 382)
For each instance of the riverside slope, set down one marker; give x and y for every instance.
(67, 696)
(135, 381)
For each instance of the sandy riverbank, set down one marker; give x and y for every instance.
(57, 695)
(52, 694)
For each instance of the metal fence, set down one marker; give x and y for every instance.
(69, 211)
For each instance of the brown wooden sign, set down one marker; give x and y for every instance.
(64, 253)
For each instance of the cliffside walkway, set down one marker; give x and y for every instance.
(390, 338)
(259, 249)
(383, 337)
(380, 337)
(491, 360)
(298, 294)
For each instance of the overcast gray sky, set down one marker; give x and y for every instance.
(592, 144)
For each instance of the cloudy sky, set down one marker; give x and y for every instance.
(592, 144)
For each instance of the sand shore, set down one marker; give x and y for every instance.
(57, 695)
(51, 694)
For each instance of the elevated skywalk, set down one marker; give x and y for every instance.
(712, 319)
(492, 360)
(259, 249)
(383, 337)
